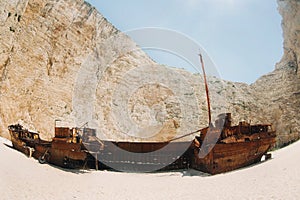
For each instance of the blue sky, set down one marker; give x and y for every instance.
(242, 37)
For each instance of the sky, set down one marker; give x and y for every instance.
(243, 38)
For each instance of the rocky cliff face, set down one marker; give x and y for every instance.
(44, 45)
(279, 91)
(63, 60)
(289, 9)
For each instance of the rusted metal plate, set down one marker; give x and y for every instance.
(62, 132)
(227, 157)
(66, 146)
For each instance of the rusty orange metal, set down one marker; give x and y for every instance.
(215, 149)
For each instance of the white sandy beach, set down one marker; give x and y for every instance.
(25, 178)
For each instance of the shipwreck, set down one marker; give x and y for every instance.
(220, 147)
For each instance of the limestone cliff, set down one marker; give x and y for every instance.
(44, 44)
(279, 91)
(63, 60)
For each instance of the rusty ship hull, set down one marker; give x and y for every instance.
(227, 157)
(223, 147)
(25, 141)
(215, 149)
(221, 157)
(64, 150)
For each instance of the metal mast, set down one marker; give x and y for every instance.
(206, 89)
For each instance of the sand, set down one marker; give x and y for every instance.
(25, 178)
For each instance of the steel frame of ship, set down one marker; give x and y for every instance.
(69, 151)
